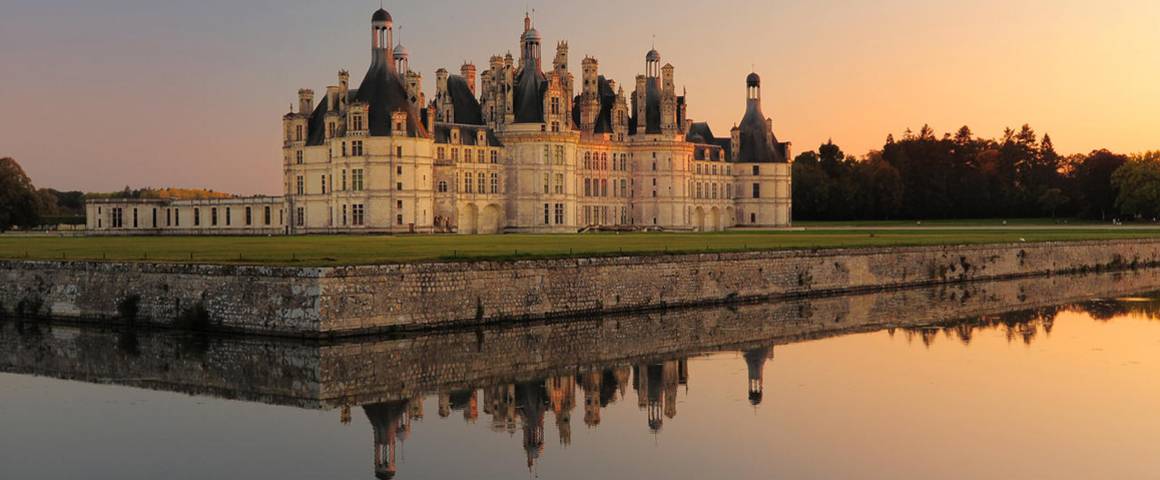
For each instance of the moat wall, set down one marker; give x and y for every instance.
(367, 299)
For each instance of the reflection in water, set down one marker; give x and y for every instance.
(527, 378)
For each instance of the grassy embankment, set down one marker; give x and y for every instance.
(351, 250)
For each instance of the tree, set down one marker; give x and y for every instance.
(19, 200)
(1093, 182)
(1051, 200)
(1138, 182)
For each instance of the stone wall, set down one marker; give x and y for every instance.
(251, 299)
(367, 299)
(325, 374)
(437, 294)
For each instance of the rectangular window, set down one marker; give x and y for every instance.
(176, 218)
(756, 170)
(213, 217)
(399, 152)
(587, 187)
(344, 215)
(547, 184)
(455, 154)
(300, 217)
(482, 182)
(494, 183)
(249, 217)
(399, 186)
(356, 148)
(267, 215)
(559, 183)
(197, 217)
(298, 157)
(228, 216)
(168, 217)
(467, 183)
(399, 170)
(356, 179)
(757, 190)
(399, 219)
(134, 218)
(439, 153)
(559, 214)
(604, 187)
(323, 183)
(357, 214)
(547, 214)
(344, 180)
(301, 185)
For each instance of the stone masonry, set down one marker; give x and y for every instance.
(343, 301)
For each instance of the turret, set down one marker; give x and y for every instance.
(468, 71)
(305, 101)
(343, 88)
(382, 35)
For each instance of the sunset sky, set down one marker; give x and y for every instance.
(99, 94)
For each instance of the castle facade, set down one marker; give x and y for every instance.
(518, 147)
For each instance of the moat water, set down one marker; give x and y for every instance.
(1061, 391)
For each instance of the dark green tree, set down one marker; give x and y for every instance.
(19, 201)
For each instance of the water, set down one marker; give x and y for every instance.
(1019, 379)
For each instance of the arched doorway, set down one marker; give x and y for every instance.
(489, 220)
(715, 219)
(699, 219)
(469, 219)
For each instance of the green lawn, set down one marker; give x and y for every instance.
(967, 222)
(348, 250)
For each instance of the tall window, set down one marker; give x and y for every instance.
(494, 183)
(547, 185)
(213, 217)
(298, 133)
(494, 156)
(301, 185)
(399, 152)
(467, 183)
(300, 217)
(483, 183)
(559, 214)
(356, 179)
(298, 157)
(439, 153)
(249, 216)
(229, 218)
(266, 215)
(587, 187)
(357, 215)
(358, 122)
(547, 214)
(356, 148)
(442, 186)
(455, 154)
(555, 105)
(344, 180)
(323, 183)
(559, 183)
(344, 215)
(756, 190)
(604, 187)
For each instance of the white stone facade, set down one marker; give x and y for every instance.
(516, 150)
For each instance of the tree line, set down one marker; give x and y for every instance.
(923, 176)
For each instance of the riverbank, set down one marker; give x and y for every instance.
(327, 251)
(349, 301)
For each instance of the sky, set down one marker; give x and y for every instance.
(100, 94)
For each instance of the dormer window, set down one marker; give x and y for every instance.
(358, 122)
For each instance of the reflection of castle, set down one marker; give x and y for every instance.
(524, 406)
